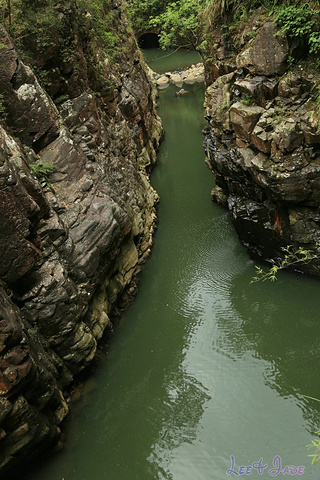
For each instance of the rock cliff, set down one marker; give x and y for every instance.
(72, 242)
(263, 141)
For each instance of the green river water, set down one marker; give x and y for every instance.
(203, 366)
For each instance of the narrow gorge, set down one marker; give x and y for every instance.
(207, 367)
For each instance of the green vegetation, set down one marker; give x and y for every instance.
(217, 10)
(247, 99)
(140, 12)
(42, 170)
(292, 258)
(3, 113)
(98, 20)
(190, 23)
(301, 21)
(52, 17)
(317, 99)
(55, 38)
(315, 114)
(316, 445)
(177, 22)
(185, 23)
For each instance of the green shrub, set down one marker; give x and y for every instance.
(47, 29)
(42, 170)
(247, 99)
(316, 446)
(301, 22)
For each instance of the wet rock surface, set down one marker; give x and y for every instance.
(71, 246)
(262, 144)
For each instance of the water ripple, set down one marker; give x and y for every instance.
(181, 412)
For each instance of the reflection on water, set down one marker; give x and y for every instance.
(165, 61)
(182, 410)
(204, 365)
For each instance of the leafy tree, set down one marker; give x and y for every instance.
(139, 12)
(179, 24)
(184, 22)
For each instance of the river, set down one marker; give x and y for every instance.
(203, 366)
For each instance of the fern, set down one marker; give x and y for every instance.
(42, 170)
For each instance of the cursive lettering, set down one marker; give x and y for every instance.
(231, 470)
(246, 470)
(287, 470)
(260, 468)
(273, 472)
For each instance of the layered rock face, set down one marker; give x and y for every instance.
(71, 246)
(263, 143)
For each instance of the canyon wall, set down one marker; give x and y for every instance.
(262, 140)
(72, 241)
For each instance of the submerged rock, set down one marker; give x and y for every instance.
(182, 92)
